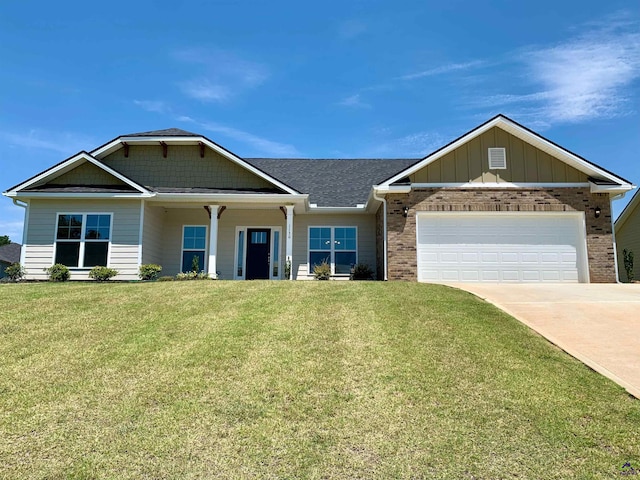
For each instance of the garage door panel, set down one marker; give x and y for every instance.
(500, 248)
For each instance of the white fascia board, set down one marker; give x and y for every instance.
(501, 185)
(523, 134)
(73, 196)
(117, 143)
(386, 188)
(329, 210)
(68, 165)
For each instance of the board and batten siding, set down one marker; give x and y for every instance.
(152, 234)
(123, 251)
(628, 237)
(365, 223)
(525, 164)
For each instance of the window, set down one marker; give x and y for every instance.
(194, 241)
(82, 239)
(335, 245)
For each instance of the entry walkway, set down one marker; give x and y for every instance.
(599, 324)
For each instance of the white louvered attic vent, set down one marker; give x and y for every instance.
(497, 158)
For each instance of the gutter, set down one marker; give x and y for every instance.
(23, 249)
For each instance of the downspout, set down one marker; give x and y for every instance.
(384, 230)
(23, 250)
(613, 234)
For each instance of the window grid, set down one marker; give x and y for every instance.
(335, 245)
(83, 239)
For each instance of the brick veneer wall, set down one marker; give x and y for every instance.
(401, 231)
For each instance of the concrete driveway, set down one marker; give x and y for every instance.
(599, 324)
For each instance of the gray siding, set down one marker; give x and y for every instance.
(123, 252)
(183, 167)
(153, 233)
(86, 174)
(366, 225)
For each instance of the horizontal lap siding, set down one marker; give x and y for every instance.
(173, 221)
(123, 253)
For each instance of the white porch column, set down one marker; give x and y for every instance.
(213, 241)
(289, 240)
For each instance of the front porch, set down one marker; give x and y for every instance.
(231, 242)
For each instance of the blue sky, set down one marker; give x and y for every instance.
(322, 79)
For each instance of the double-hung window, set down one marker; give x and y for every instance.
(336, 246)
(82, 239)
(194, 242)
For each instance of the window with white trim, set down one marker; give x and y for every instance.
(336, 246)
(194, 243)
(83, 239)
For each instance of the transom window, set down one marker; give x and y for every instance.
(194, 242)
(82, 239)
(336, 246)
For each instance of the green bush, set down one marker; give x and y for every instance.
(15, 272)
(361, 271)
(58, 273)
(322, 271)
(149, 271)
(193, 276)
(102, 274)
(627, 257)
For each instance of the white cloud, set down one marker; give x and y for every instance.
(260, 146)
(354, 101)
(586, 77)
(156, 106)
(221, 75)
(416, 144)
(450, 67)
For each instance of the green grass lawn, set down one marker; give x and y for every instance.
(294, 380)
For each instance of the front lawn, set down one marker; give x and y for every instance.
(294, 380)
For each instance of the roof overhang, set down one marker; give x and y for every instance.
(616, 184)
(66, 166)
(119, 143)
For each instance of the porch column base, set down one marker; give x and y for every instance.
(289, 241)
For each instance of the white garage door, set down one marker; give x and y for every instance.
(501, 247)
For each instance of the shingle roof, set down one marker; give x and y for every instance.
(10, 253)
(167, 132)
(331, 182)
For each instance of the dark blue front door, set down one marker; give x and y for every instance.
(258, 253)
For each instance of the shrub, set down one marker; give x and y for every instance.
(149, 271)
(102, 274)
(361, 271)
(322, 271)
(192, 276)
(166, 278)
(58, 273)
(195, 264)
(627, 257)
(15, 272)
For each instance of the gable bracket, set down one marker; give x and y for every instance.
(208, 209)
(126, 149)
(201, 149)
(284, 211)
(220, 210)
(164, 149)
